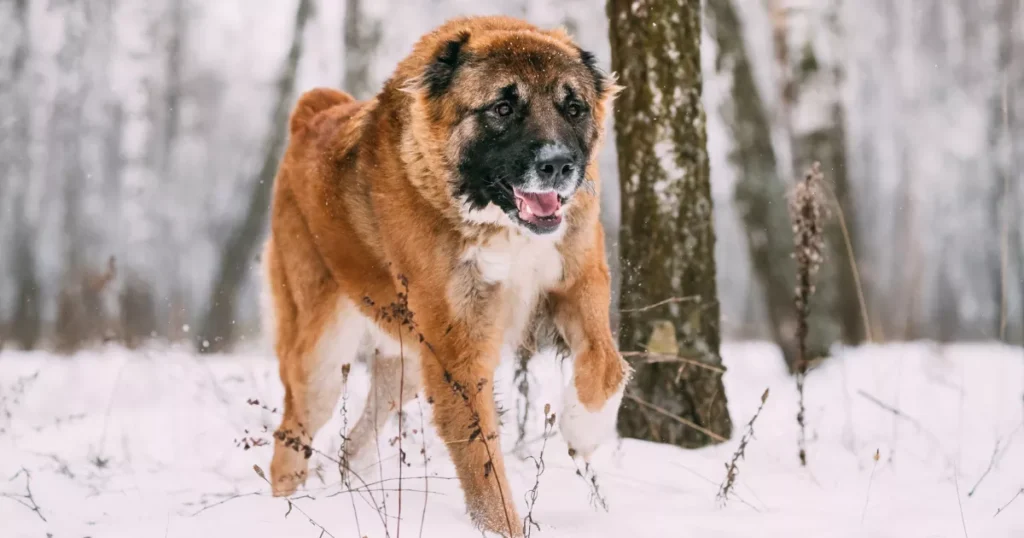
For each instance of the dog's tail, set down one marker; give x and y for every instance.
(314, 102)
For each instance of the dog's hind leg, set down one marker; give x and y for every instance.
(311, 373)
(386, 380)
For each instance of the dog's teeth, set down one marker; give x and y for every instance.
(527, 211)
(558, 212)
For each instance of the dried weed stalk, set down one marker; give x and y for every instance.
(27, 499)
(343, 466)
(296, 441)
(1008, 503)
(323, 531)
(399, 311)
(521, 379)
(732, 468)
(589, 477)
(871, 478)
(531, 496)
(809, 213)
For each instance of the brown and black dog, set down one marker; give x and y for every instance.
(469, 181)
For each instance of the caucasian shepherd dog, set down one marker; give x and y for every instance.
(453, 216)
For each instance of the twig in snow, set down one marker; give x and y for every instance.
(228, 499)
(1014, 498)
(871, 479)
(991, 463)
(323, 531)
(731, 469)
(346, 480)
(956, 483)
(297, 443)
(27, 500)
(426, 485)
(590, 478)
(531, 496)
(521, 379)
(11, 397)
(891, 409)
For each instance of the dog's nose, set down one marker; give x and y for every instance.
(555, 166)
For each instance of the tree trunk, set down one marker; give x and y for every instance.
(667, 237)
(361, 39)
(807, 41)
(760, 192)
(25, 325)
(216, 328)
(1004, 198)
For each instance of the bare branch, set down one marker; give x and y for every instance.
(653, 358)
(678, 419)
(670, 300)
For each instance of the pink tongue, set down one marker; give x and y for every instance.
(542, 204)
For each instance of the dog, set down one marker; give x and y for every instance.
(452, 216)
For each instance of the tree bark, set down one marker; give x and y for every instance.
(667, 237)
(216, 329)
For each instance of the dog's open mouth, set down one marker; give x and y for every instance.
(541, 209)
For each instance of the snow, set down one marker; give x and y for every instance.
(143, 443)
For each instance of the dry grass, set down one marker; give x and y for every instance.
(732, 468)
(808, 213)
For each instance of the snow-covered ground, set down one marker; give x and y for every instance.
(144, 444)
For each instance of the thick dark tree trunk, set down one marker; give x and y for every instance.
(667, 237)
(217, 325)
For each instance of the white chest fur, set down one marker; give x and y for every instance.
(524, 267)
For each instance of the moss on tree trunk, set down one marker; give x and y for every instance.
(667, 238)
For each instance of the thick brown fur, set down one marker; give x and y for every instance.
(363, 200)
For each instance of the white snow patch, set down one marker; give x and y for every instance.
(164, 425)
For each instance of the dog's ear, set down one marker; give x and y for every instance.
(600, 79)
(604, 83)
(446, 61)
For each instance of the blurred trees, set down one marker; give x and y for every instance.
(362, 36)
(812, 116)
(760, 190)
(24, 326)
(808, 49)
(217, 328)
(669, 297)
(139, 138)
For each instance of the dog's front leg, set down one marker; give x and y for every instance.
(591, 400)
(461, 350)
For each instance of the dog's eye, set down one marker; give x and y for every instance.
(503, 109)
(574, 110)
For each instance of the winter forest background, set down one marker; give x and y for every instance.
(134, 134)
(138, 143)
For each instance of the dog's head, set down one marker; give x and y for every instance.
(515, 115)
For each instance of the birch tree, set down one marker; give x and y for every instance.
(669, 297)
